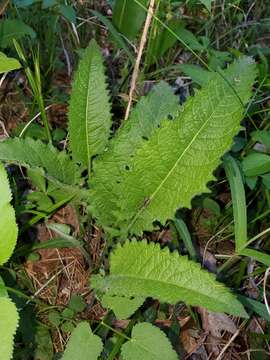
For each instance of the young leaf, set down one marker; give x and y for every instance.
(8, 324)
(110, 167)
(83, 344)
(8, 226)
(35, 154)
(179, 159)
(8, 64)
(144, 270)
(89, 110)
(148, 343)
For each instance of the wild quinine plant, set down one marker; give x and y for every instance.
(8, 237)
(157, 161)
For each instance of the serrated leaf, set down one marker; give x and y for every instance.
(35, 154)
(83, 344)
(8, 226)
(179, 159)
(141, 269)
(13, 29)
(148, 342)
(109, 168)
(89, 110)
(8, 64)
(8, 324)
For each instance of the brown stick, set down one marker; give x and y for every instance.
(139, 56)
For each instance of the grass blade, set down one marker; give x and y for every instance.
(239, 202)
(185, 236)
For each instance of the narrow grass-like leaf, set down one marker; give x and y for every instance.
(144, 270)
(179, 159)
(148, 342)
(35, 154)
(83, 344)
(8, 324)
(238, 200)
(8, 226)
(89, 110)
(256, 255)
(185, 236)
(255, 306)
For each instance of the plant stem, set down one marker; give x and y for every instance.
(139, 57)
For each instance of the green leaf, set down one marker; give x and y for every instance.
(197, 74)
(8, 64)
(110, 167)
(68, 12)
(44, 345)
(76, 303)
(144, 270)
(13, 29)
(162, 39)
(148, 343)
(262, 136)
(54, 318)
(89, 110)
(8, 324)
(83, 344)
(35, 154)
(255, 306)
(256, 164)
(119, 41)
(257, 255)
(8, 226)
(207, 4)
(189, 39)
(179, 159)
(239, 201)
(128, 17)
(122, 306)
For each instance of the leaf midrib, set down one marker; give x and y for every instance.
(86, 121)
(152, 196)
(165, 283)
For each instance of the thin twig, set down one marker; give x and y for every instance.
(139, 56)
(220, 356)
